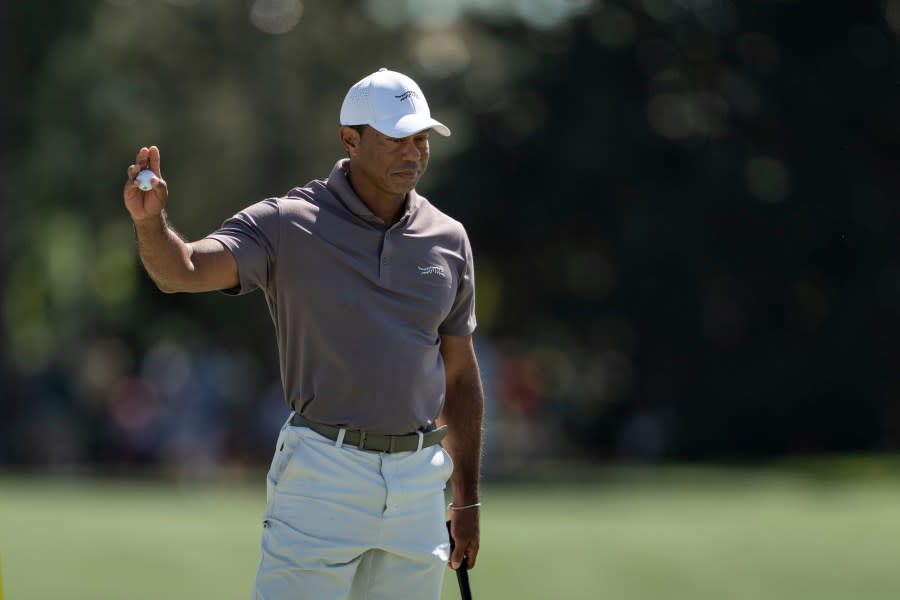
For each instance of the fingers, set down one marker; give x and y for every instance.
(465, 531)
(468, 553)
(153, 155)
(472, 554)
(159, 186)
(147, 158)
(142, 159)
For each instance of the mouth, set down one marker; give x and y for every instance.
(407, 174)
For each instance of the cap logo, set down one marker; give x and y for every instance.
(406, 95)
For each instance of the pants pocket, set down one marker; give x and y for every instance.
(287, 443)
(448, 464)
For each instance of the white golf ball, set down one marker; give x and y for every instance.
(143, 179)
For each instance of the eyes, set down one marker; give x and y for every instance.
(418, 140)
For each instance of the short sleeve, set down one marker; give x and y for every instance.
(461, 318)
(252, 237)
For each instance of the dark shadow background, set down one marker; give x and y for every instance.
(683, 212)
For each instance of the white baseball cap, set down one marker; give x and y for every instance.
(390, 102)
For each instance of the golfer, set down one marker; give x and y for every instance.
(371, 290)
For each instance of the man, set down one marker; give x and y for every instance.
(371, 290)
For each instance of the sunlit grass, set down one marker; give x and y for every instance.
(695, 534)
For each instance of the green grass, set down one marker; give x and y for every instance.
(665, 533)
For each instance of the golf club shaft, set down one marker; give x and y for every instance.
(462, 577)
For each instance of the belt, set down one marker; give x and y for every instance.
(373, 441)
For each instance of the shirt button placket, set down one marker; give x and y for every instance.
(386, 257)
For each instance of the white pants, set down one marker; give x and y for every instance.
(343, 523)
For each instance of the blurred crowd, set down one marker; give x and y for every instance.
(683, 213)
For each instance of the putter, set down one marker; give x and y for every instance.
(462, 573)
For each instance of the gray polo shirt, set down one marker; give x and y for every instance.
(358, 307)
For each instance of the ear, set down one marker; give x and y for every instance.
(350, 140)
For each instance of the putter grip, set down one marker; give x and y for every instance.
(462, 573)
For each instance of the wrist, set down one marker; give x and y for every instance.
(466, 500)
(472, 506)
(152, 223)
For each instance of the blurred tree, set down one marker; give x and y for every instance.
(682, 211)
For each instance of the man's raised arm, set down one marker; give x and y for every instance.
(173, 264)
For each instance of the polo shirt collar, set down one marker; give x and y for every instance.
(340, 186)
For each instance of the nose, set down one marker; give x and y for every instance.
(411, 151)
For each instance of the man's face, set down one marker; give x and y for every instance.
(391, 165)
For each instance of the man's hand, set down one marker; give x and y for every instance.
(140, 204)
(465, 531)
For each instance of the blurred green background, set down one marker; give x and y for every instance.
(637, 534)
(684, 218)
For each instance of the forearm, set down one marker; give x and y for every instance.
(166, 257)
(463, 413)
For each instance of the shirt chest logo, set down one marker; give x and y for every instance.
(433, 270)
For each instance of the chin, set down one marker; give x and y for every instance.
(405, 186)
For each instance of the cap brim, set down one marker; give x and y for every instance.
(408, 125)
